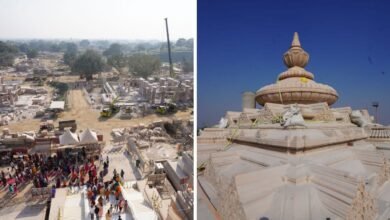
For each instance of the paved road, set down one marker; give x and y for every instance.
(119, 159)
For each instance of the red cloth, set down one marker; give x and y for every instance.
(11, 181)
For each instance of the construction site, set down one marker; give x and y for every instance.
(144, 127)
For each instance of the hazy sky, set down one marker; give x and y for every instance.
(97, 19)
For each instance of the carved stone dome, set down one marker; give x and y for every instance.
(296, 85)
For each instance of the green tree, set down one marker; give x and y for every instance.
(70, 58)
(143, 65)
(140, 47)
(88, 64)
(32, 53)
(7, 54)
(181, 42)
(23, 47)
(102, 44)
(114, 49)
(117, 61)
(62, 45)
(55, 48)
(84, 43)
(190, 43)
(40, 45)
(70, 54)
(115, 57)
(72, 47)
(187, 66)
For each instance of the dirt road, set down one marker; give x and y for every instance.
(86, 117)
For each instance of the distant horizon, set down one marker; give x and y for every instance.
(92, 39)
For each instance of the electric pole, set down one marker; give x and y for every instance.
(169, 50)
(376, 105)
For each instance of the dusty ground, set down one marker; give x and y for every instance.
(87, 117)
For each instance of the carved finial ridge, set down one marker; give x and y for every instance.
(295, 42)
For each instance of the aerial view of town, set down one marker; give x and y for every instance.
(96, 128)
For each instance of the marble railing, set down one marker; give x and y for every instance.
(380, 133)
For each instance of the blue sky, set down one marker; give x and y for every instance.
(241, 43)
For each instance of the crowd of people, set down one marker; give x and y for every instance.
(106, 193)
(27, 168)
(69, 170)
(64, 169)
